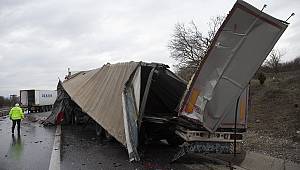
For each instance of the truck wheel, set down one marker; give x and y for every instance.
(99, 130)
(76, 120)
(143, 137)
(108, 136)
(175, 140)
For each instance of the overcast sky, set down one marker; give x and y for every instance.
(40, 39)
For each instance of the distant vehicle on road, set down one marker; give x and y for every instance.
(37, 100)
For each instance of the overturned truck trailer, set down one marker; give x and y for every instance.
(135, 101)
(121, 98)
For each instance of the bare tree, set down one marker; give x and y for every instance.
(188, 45)
(273, 61)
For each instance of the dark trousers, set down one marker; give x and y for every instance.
(18, 121)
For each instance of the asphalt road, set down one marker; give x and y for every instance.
(31, 150)
(81, 149)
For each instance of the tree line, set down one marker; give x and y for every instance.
(272, 67)
(8, 102)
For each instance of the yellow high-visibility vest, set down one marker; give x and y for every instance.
(16, 113)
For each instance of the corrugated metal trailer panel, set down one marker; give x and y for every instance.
(99, 93)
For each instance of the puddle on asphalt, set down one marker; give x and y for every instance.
(16, 147)
(20, 152)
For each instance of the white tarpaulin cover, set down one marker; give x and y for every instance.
(98, 92)
(240, 46)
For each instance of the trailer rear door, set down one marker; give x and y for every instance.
(240, 46)
(24, 97)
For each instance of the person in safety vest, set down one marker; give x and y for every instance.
(16, 115)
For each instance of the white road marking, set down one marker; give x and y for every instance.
(55, 156)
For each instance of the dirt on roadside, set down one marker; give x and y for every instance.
(274, 117)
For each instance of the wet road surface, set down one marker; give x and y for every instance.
(31, 150)
(81, 149)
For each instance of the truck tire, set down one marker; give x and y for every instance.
(76, 120)
(175, 140)
(108, 136)
(143, 137)
(99, 130)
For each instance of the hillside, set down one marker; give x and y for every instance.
(274, 117)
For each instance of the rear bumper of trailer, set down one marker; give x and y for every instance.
(201, 141)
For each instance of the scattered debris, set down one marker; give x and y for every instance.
(116, 164)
